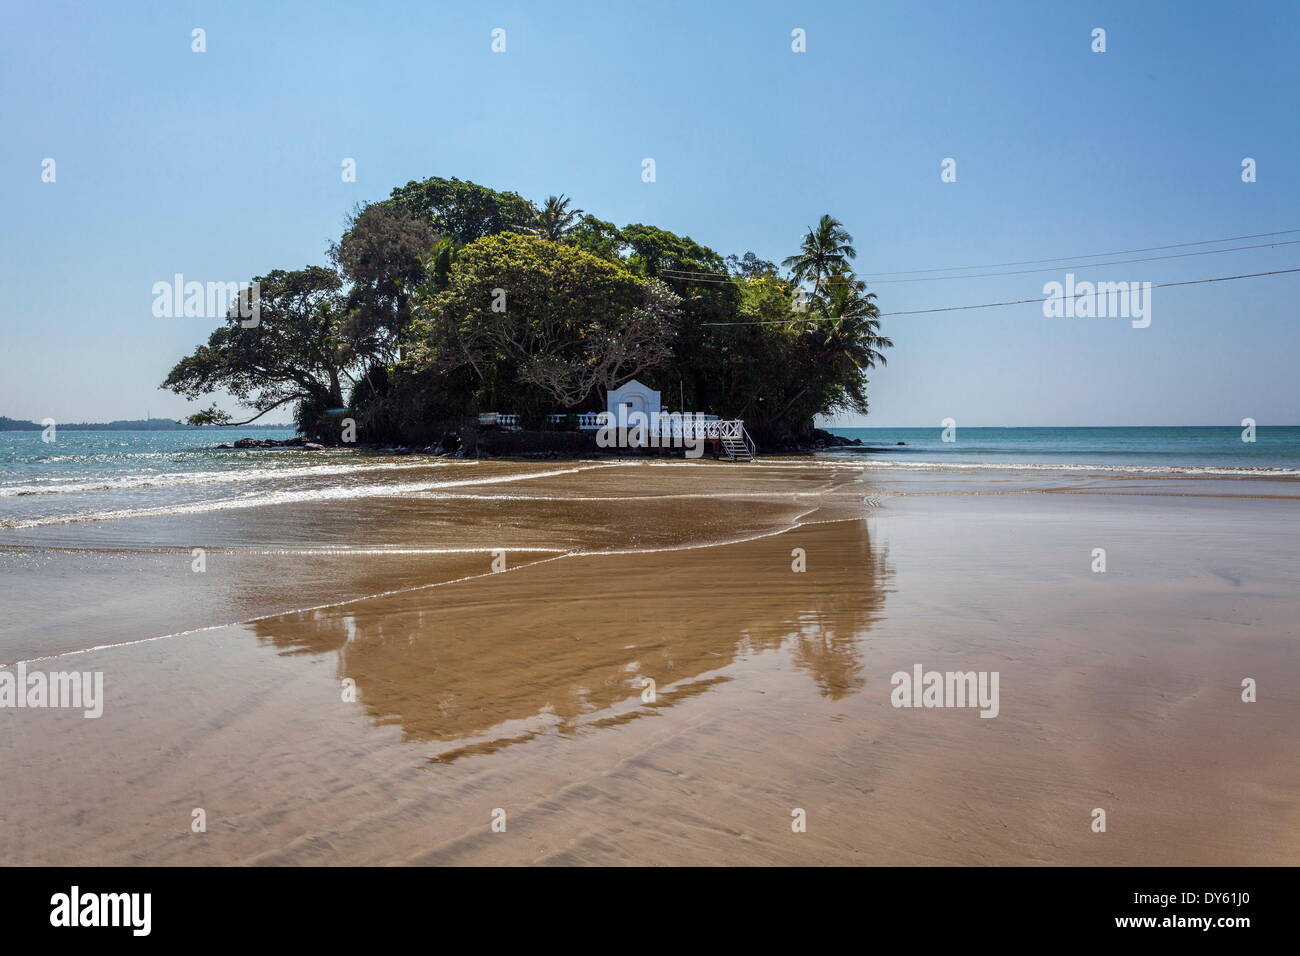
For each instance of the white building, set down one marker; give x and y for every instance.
(634, 397)
(634, 406)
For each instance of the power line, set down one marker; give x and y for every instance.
(1090, 265)
(1098, 255)
(722, 278)
(990, 305)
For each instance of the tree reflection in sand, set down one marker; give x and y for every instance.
(563, 647)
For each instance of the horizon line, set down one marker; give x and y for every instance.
(940, 426)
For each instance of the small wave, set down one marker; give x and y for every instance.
(1241, 471)
(260, 499)
(55, 486)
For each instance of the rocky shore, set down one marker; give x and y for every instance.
(491, 442)
(299, 443)
(824, 439)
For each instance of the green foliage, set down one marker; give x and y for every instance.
(440, 270)
(587, 306)
(298, 351)
(598, 237)
(788, 367)
(751, 266)
(541, 323)
(465, 211)
(653, 250)
(310, 418)
(826, 249)
(382, 254)
(695, 273)
(556, 219)
(413, 407)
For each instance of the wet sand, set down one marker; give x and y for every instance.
(83, 584)
(521, 690)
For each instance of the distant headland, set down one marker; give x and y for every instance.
(135, 425)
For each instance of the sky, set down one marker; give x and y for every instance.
(225, 164)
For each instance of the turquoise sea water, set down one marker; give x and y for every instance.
(84, 456)
(89, 475)
(109, 471)
(1208, 450)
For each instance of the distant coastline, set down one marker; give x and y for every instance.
(134, 425)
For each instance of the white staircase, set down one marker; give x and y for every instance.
(736, 441)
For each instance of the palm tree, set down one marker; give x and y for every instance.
(556, 219)
(825, 250)
(855, 327)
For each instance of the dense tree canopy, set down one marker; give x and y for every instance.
(528, 315)
(298, 350)
(383, 254)
(465, 211)
(450, 298)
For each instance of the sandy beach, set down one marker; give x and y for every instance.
(353, 682)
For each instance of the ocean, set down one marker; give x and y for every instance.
(120, 474)
(1206, 450)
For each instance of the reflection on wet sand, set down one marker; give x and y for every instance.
(567, 647)
(134, 576)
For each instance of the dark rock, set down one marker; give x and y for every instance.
(298, 442)
(824, 439)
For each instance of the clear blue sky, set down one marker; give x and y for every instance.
(224, 165)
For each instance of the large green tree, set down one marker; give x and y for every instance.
(465, 211)
(383, 255)
(298, 351)
(542, 322)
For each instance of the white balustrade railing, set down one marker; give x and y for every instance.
(663, 425)
(658, 423)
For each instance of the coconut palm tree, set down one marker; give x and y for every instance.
(556, 219)
(826, 249)
(855, 320)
